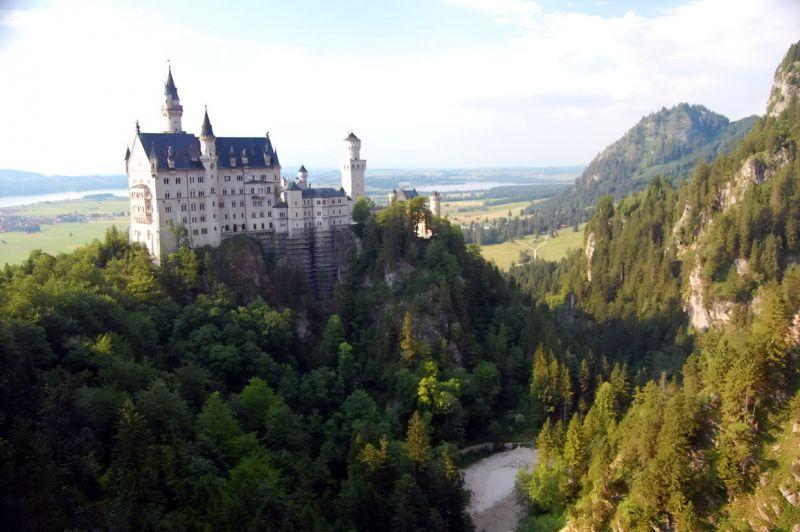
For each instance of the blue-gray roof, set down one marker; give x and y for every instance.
(169, 87)
(206, 130)
(187, 149)
(292, 186)
(410, 193)
(324, 192)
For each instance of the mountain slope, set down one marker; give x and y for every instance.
(712, 445)
(668, 142)
(20, 183)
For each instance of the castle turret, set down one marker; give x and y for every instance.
(436, 204)
(353, 168)
(208, 142)
(172, 110)
(302, 177)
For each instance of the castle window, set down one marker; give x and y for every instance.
(227, 178)
(224, 191)
(202, 206)
(202, 218)
(177, 180)
(179, 195)
(252, 190)
(262, 226)
(254, 227)
(194, 231)
(168, 208)
(212, 190)
(200, 179)
(166, 181)
(269, 189)
(166, 195)
(204, 231)
(183, 207)
(238, 178)
(201, 193)
(270, 225)
(221, 203)
(191, 179)
(241, 203)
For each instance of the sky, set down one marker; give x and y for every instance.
(423, 83)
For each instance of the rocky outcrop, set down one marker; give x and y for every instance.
(786, 85)
(591, 244)
(757, 169)
(703, 315)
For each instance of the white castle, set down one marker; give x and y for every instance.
(208, 188)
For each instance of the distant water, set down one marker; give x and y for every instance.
(467, 186)
(17, 201)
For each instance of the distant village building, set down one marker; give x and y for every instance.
(205, 189)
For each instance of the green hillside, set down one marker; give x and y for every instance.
(668, 143)
(695, 290)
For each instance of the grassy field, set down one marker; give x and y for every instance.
(15, 247)
(549, 249)
(82, 206)
(475, 211)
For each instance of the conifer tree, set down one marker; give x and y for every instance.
(418, 444)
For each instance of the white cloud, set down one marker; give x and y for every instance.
(555, 91)
(511, 12)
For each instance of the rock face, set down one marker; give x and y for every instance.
(591, 243)
(786, 85)
(755, 170)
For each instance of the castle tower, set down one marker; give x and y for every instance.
(302, 177)
(208, 142)
(353, 168)
(436, 204)
(171, 109)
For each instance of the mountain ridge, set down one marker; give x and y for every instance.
(666, 142)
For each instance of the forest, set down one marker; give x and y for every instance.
(216, 392)
(698, 428)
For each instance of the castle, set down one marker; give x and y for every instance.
(201, 190)
(403, 194)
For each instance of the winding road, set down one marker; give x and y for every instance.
(493, 505)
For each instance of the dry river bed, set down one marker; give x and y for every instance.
(493, 505)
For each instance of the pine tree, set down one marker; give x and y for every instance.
(132, 479)
(576, 452)
(418, 444)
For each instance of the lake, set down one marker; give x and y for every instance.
(15, 201)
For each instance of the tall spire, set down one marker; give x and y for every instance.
(206, 130)
(171, 109)
(169, 87)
